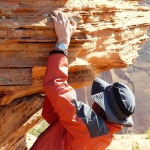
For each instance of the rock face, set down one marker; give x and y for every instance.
(16, 119)
(108, 36)
(137, 77)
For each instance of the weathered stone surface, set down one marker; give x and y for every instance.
(108, 36)
(137, 77)
(130, 142)
(16, 119)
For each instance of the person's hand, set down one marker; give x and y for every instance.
(63, 26)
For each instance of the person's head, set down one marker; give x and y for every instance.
(99, 110)
(114, 102)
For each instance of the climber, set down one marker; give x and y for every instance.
(73, 124)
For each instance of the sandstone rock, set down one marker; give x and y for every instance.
(16, 119)
(137, 77)
(130, 142)
(108, 36)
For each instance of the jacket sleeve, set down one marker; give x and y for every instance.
(78, 118)
(48, 112)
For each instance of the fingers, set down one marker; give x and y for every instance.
(73, 23)
(63, 17)
(61, 21)
(55, 16)
(60, 16)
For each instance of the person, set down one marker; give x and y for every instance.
(73, 124)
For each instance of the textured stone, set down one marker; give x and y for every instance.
(137, 77)
(108, 36)
(16, 119)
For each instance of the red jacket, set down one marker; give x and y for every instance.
(74, 125)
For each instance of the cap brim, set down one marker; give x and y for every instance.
(111, 117)
(100, 96)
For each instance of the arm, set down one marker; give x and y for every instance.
(48, 112)
(64, 29)
(79, 119)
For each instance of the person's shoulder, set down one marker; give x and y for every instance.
(95, 124)
(113, 128)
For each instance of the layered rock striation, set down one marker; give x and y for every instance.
(16, 119)
(137, 77)
(108, 36)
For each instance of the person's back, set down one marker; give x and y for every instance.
(56, 137)
(73, 124)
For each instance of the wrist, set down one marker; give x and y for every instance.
(59, 51)
(61, 46)
(63, 40)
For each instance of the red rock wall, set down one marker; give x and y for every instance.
(137, 77)
(108, 36)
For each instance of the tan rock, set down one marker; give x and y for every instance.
(108, 36)
(16, 119)
(130, 142)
